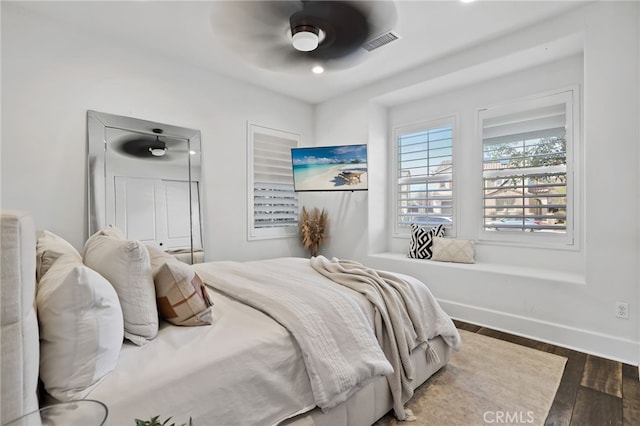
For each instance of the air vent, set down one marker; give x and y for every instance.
(380, 40)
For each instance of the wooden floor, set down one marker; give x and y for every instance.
(594, 391)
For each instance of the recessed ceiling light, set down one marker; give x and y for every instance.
(317, 69)
(467, 1)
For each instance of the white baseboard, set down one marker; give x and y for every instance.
(602, 345)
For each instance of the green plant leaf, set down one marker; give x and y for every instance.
(155, 421)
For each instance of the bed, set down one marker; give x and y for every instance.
(255, 351)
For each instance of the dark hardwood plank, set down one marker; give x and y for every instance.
(562, 408)
(630, 371)
(603, 375)
(559, 414)
(466, 326)
(595, 408)
(518, 340)
(631, 399)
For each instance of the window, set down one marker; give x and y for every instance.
(273, 203)
(424, 164)
(527, 152)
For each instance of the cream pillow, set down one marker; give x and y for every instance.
(181, 295)
(81, 328)
(159, 257)
(112, 231)
(126, 265)
(453, 250)
(49, 247)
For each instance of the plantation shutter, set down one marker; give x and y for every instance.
(275, 203)
(425, 177)
(525, 170)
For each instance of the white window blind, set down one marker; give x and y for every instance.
(525, 167)
(273, 204)
(424, 175)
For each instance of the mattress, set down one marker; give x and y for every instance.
(206, 364)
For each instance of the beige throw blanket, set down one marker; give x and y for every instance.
(339, 348)
(407, 315)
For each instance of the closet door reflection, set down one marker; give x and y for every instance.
(156, 211)
(151, 182)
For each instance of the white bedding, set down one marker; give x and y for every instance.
(245, 369)
(207, 363)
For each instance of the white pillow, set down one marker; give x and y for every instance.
(81, 328)
(49, 247)
(453, 250)
(126, 265)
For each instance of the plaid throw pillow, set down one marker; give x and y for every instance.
(181, 295)
(420, 246)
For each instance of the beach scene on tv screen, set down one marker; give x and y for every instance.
(331, 168)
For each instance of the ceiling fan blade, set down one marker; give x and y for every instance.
(281, 59)
(259, 31)
(247, 28)
(381, 15)
(237, 19)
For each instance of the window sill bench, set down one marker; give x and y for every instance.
(492, 268)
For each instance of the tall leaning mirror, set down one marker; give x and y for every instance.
(144, 179)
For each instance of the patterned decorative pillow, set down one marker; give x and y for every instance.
(182, 297)
(159, 257)
(453, 250)
(422, 240)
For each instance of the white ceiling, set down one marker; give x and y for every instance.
(190, 32)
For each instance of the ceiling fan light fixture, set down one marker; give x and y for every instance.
(305, 38)
(158, 152)
(160, 148)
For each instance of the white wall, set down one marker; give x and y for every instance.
(566, 298)
(464, 104)
(51, 76)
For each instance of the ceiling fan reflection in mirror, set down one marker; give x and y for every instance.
(298, 35)
(151, 146)
(145, 146)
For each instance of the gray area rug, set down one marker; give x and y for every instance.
(489, 381)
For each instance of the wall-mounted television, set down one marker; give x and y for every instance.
(330, 168)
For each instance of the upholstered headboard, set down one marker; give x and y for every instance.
(19, 333)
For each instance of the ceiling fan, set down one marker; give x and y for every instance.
(149, 146)
(292, 35)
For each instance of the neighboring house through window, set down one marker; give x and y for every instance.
(424, 180)
(527, 150)
(273, 203)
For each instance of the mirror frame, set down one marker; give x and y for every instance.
(97, 125)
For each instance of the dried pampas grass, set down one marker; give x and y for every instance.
(313, 225)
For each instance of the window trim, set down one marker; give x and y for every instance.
(422, 125)
(254, 233)
(570, 96)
